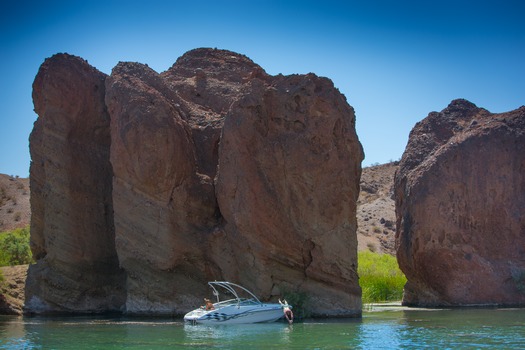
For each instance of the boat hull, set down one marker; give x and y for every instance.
(236, 314)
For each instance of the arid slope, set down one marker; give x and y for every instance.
(376, 217)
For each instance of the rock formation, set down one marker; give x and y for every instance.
(212, 170)
(277, 145)
(459, 206)
(72, 231)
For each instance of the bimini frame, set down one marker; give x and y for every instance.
(230, 287)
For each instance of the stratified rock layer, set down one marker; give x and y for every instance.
(72, 233)
(459, 205)
(219, 171)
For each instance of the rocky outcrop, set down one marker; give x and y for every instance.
(459, 203)
(72, 231)
(287, 176)
(12, 283)
(215, 171)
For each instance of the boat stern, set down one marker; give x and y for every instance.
(194, 315)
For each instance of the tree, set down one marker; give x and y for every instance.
(14, 247)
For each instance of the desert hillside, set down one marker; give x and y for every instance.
(15, 211)
(376, 217)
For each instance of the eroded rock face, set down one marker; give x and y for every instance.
(220, 171)
(459, 206)
(288, 163)
(72, 231)
(162, 204)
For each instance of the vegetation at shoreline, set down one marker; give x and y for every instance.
(300, 303)
(14, 247)
(380, 277)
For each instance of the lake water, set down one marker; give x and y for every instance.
(386, 329)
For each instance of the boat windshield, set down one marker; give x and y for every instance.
(238, 302)
(232, 290)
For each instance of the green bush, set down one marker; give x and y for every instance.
(299, 302)
(380, 277)
(14, 247)
(519, 280)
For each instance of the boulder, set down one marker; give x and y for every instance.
(459, 202)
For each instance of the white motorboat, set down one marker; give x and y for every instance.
(235, 310)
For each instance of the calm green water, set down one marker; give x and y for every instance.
(437, 329)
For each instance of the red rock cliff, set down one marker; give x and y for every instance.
(459, 205)
(218, 171)
(72, 232)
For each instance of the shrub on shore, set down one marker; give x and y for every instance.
(380, 277)
(300, 303)
(14, 247)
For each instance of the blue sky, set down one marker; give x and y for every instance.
(395, 61)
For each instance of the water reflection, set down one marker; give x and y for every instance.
(241, 335)
(385, 330)
(476, 328)
(13, 331)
